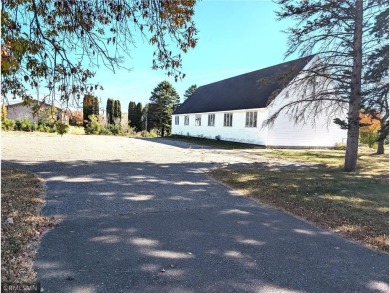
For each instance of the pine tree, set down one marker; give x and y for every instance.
(131, 115)
(117, 112)
(375, 98)
(339, 33)
(138, 117)
(109, 111)
(190, 91)
(164, 99)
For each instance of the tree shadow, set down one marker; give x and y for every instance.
(202, 143)
(146, 227)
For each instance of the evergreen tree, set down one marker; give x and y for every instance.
(163, 101)
(375, 98)
(151, 113)
(117, 112)
(190, 91)
(339, 32)
(138, 117)
(89, 108)
(110, 111)
(131, 115)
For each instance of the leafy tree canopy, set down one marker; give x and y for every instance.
(58, 43)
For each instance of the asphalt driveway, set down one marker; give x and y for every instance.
(143, 216)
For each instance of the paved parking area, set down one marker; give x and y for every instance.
(143, 216)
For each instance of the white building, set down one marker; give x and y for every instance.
(234, 109)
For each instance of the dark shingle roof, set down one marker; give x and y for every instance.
(246, 91)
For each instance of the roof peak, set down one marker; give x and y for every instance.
(243, 91)
(264, 68)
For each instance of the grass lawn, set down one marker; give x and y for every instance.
(355, 205)
(22, 224)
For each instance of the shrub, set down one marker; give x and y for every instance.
(132, 131)
(26, 125)
(368, 133)
(76, 119)
(8, 124)
(115, 129)
(105, 131)
(93, 126)
(145, 133)
(18, 125)
(61, 127)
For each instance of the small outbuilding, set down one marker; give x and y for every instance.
(234, 109)
(19, 111)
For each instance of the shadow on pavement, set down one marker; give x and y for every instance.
(144, 227)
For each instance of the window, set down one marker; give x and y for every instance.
(228, 119)
(251, 119)
(211, 120)
(176, 120)
(186, 120)
(198, 120)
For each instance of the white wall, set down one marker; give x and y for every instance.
(238, 132)
(284, 132)
(321, 132)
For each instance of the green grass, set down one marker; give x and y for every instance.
(355, 204)
(213, 143)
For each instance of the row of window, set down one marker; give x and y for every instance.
(250, 120)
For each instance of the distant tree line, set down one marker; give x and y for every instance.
(156, 115)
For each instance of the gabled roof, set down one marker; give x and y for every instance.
(33, 102)
(247, 91)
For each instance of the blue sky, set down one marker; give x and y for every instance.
(235, 37)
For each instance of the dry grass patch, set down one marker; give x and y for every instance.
(355, 205)
(368, 163)
(22, 224)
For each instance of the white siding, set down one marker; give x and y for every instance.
(237, 133)
(284, 132)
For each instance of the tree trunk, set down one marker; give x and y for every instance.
(162, 131)
(351, 153)
(381, 148)
(381, 140)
